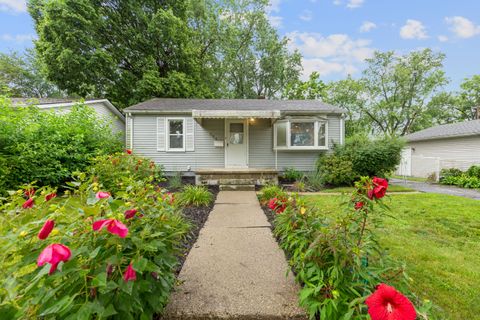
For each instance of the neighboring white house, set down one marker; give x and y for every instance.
(103, 107)
(233, 135)
(428, 151)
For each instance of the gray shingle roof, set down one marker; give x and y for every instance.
(186, 105)
(461, 129)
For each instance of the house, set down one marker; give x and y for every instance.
(219, 139)
(455, 145)
(103, 107)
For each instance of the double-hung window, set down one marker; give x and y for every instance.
(301, 134)
(175, 134)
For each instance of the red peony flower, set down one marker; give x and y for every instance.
(359, 205)
(54, 254)
(128, 151)
(281, 208)
(130, 274)
(272, 204)
(46, 229)
(29, 193)
(277, 205)
(50, 196)
(102, 195)
(113, 226)
(130, 213)
(28, 204)
(386, 303)
(379, 188)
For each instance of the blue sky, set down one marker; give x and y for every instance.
(335, 36)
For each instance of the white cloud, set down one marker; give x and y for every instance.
(13, 5)
(413, 29)
(462, 27)
(442, 38)
(352, 4)
(306, 15)
(275, 21)
(367, 26)
(273, 6)
(17, 38)
(336, 53)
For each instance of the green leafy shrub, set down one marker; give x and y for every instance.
(116, 171)
(473, 171)
(359, 156)
(336, 256)
(47, 147)
(109, 274)
(371, 158)
(335, 171)
(456, 177)
(271, 191)
(291, 174)
(197, 196)
(451, 172)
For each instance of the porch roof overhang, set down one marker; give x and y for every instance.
(236, 114)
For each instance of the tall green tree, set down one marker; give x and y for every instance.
(313, 88)
(254, 60)
(124, 50)
(349, 94)
(398, 89)
(22, 76)
(468, 104)
(131, 50)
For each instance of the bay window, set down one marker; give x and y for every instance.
(300, 134)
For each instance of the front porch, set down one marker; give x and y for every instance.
(236, 178)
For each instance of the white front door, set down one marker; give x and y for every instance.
(236, 143)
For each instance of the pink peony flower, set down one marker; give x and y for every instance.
(50, 196)
(113, 226)
(130, 274)
(54, 254)
(359, 205)
(130, 213)
(28, 204)
(102, 195)
(29, 193)
(46, 229)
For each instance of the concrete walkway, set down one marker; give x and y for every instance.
(235, 269)
(438, 188)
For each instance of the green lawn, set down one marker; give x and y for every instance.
(438, 237)
(391, 188)
(410, 178)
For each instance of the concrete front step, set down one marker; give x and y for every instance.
(237, 187)
(224, 176)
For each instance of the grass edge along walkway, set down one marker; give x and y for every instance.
(438, 238)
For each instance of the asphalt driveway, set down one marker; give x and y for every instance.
(437, 188)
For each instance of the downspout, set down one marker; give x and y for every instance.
(342, 129)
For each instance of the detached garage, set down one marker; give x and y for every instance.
(428, 151)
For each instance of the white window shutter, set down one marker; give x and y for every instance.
(190, 134)
(161, 133)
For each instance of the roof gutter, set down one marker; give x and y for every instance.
(444, 137)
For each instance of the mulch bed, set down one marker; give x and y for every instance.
(197, 216)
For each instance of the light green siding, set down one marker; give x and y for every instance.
(142, 130)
